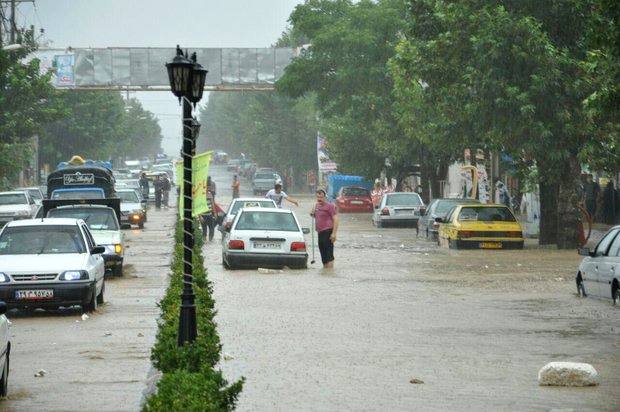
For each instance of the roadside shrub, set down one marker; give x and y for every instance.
(189, 380)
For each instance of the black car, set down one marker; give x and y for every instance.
(438, 208)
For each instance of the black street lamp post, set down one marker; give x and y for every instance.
(187, 80)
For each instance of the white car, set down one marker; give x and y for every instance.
(49, 263)
(16, 205)
(264, 237)
(398, 208)
(240, 203)
(133, 211)
(104, 227)
(5, 350)
(35, 193)
(599, 271)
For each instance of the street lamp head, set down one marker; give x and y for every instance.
(198, 81)
(180, 74)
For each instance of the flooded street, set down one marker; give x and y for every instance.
(474, 326)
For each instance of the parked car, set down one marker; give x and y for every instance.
(133, 208)
(104, 227)
(599, 271)
(238, 204)
(264, 237)
(398, 208)
(233, 165)
(439, 208)
(35, 193)
(5, 350)
(50, 263)
(16, 205)
(354, 199)
(480, 226)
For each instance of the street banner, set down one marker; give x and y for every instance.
(65, 75)
(326, 166)
(200, 172)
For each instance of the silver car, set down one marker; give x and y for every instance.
(599, 271)
(398, 208)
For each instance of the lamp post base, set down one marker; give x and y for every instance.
(187, 322)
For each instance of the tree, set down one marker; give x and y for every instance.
(26, 104)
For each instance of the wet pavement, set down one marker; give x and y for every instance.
(474, 326)
(100, 363)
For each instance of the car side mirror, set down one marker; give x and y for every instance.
(585, 251)
(305, 230)
(97, 250)
(439, 220)
(125, 226)
(3, 308)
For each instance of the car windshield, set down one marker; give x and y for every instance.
(444, 206)
(78, 194)
(95, 218)
(13, 199)
(134, 184)
(267, 221)
(355, 191)
(35, 194)
(403, 199)
(264, 176)
(44, 239)
(129, 197)
(250, 203)
(486, 214)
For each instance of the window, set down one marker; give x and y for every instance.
(603, 245)
(403, 199)
(129, 197)
(614, 249)
(267, 176)
(13, 199)
(250, 203)
(44, 239)
(355, 191)
(486, 214)
(78, 194)
(96, 218)
(267, 221)
(91, 242)
(444, 206)
(35, 194)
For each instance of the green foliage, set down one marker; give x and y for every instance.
(26, 104)
(190, 381)
(273, 130)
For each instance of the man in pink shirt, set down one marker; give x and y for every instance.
(326, 220)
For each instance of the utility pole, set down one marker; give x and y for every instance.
(13, 23)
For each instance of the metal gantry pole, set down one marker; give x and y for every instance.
(187, 321)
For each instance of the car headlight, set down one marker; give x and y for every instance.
(70, 275)
(118, 248)
(4, 278)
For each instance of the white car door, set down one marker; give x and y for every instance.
(608, 268)
(95, 263)
(597, 264)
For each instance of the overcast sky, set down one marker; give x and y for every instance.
(159, 23)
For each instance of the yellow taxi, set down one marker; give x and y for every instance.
(480, 227)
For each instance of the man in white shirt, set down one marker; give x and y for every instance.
(277, 195)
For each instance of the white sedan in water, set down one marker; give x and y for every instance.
(264, 237)
(599, 271)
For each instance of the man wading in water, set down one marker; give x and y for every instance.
(326, 219)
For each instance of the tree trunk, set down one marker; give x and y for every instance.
(426, 177)
(548, 212)
(568, 199)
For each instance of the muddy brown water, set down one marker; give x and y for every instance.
(474, 326)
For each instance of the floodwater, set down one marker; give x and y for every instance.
(474, 326)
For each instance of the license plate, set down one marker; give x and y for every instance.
(356, 202)
(267, 245)
(34, 294)
(490, 245)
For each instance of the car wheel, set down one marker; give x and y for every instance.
(100, 297)
(426, 233)
(4, 380)
(615, 290)
(118, 270)
(91, 306)
(581, 290)
(141, 225)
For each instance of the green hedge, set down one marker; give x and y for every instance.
(190, 381)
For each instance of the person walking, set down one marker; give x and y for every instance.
(326, 223)
(277, 195)
(208, 220)
(158, 184)
(166, 187)
(235, 187)
(144, 186)
(211, 186)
